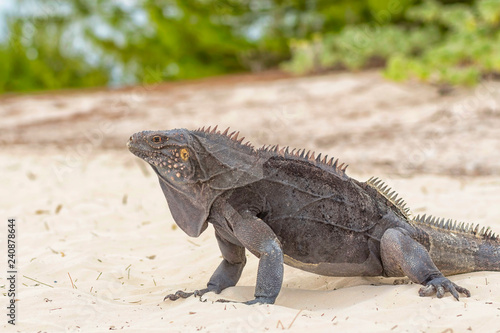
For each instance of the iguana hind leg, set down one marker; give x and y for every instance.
(402, 255)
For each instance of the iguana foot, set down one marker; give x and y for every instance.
(441, 285)
(257, 300)
(261, 300)
(182, 294)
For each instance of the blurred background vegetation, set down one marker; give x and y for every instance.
(54, 44)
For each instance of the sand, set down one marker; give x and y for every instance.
(95, 232)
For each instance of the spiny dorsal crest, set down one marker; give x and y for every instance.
(213, 133)
(458, 227)
(389, 194)
(331, 164)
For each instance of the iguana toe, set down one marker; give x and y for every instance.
(222, 300)
(178, 294)
(261, 300)
(440, 286)
(182, 294)
(257, 300)
(201, 292)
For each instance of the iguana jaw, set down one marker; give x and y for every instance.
(173, 160)
(152, 157)
(168, 152)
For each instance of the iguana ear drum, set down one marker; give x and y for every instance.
(184, 154)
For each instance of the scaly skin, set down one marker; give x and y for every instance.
(304, 211)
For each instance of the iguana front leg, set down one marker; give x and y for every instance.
(402, 255)
(226, 275)
(258, 238)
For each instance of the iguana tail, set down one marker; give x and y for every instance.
(458, 247)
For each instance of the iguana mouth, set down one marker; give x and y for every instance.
(154, 158)
(134, 149)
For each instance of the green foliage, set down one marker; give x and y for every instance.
(455, 44)
(359, 45)
(469, 47)
(55, 44)
(75, 43)
(192, 38)
(34, 58)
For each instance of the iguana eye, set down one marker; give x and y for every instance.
(156, 139)
(184, 153)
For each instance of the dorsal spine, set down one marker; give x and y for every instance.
(390, 195)
(457, 227)
(331, 165)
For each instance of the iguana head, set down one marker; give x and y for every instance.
(194, 168)
(168, 152)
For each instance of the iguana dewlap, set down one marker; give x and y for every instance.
(303, 210)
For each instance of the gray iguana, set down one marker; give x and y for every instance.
(290, 206)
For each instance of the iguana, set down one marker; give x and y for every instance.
(293, 207)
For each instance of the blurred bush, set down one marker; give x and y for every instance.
(53, 44)
(76, 43)
(444, 44)
(36, 57)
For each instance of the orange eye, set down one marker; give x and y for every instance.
(156, 139)
(184, 153)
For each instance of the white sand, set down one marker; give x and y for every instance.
(109, 261)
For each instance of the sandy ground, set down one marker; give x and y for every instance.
(95, 232)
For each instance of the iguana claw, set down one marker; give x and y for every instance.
(182, 294)
(440, 286)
